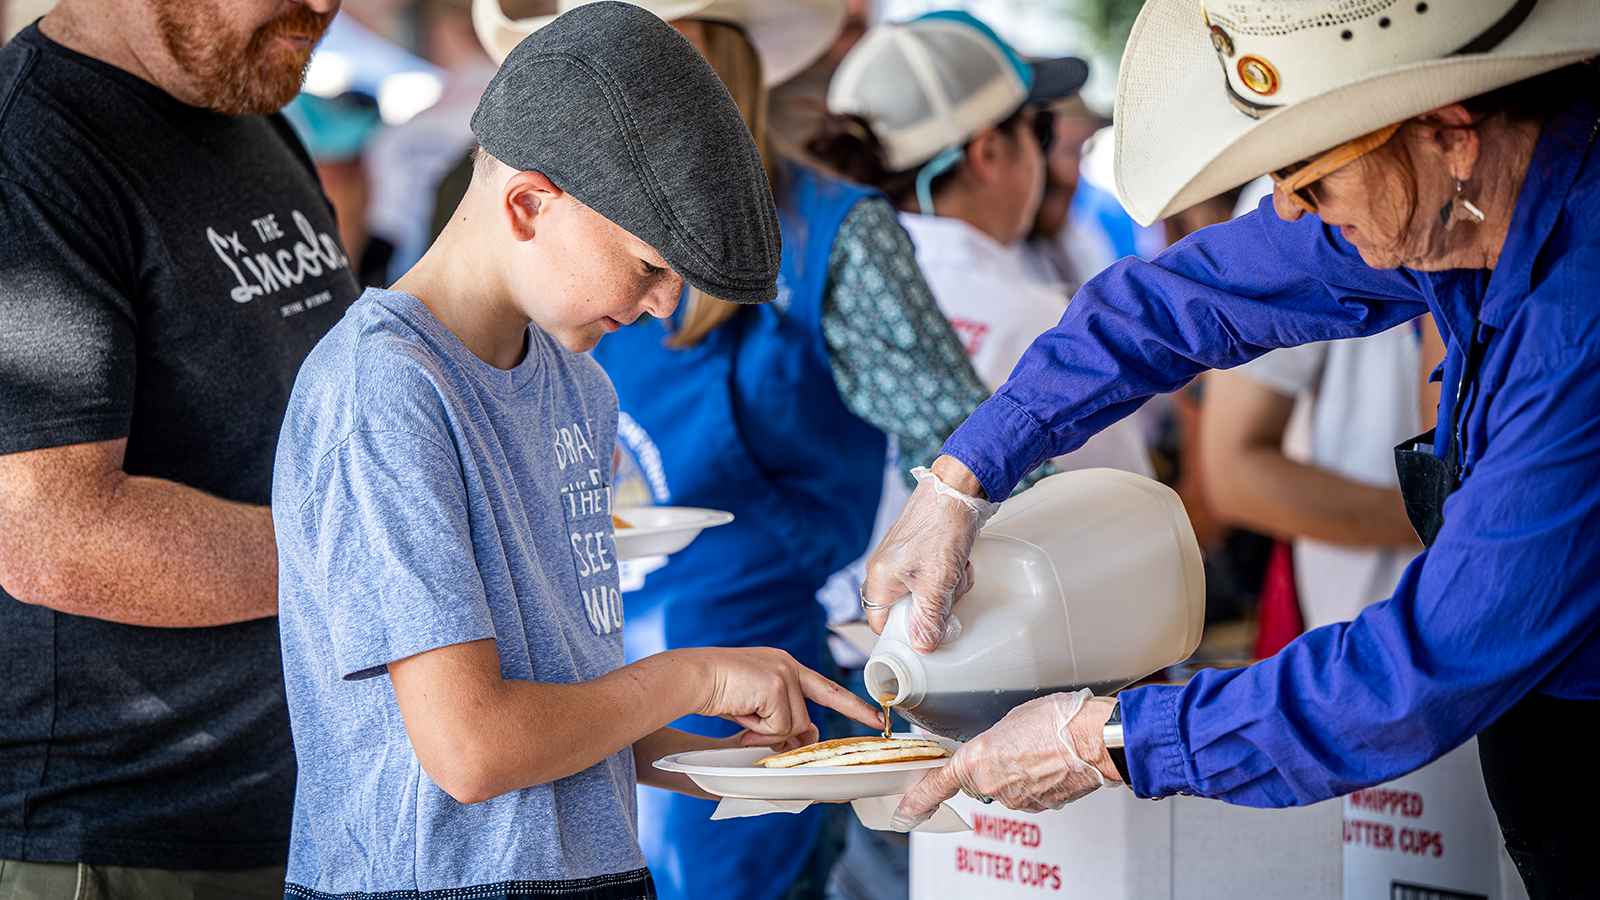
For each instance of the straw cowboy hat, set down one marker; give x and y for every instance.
(1298, 77)
(788, 35)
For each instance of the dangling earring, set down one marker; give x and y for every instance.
(1450, 212)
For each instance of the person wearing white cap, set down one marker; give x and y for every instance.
(1463, 180)
(944, 117)
(779, 414)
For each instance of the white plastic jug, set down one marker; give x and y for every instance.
(1089, 579)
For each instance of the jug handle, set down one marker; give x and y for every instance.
(952, 625)
(952, 629)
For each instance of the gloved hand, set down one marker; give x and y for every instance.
(925, 555)
(1028, 761)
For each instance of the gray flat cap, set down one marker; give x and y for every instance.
(619, 110)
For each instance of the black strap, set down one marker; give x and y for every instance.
(1249, 108)
(1500, 30)
(1469, 378)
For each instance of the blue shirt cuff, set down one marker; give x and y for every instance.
(1000, 443)
(1152, 741)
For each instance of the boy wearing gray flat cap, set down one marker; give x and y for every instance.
(449, 601)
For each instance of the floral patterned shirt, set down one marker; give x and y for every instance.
(897, 363)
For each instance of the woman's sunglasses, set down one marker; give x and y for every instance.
(1044, 128)
(1297, 180)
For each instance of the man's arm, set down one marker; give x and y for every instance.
(85, 538)
(1250, 482)
(80, 535)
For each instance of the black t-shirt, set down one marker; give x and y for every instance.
(163, 272)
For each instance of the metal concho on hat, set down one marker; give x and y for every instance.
(1277, 52)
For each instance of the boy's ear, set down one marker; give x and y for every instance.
(525, 196)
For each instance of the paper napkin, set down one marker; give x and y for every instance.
(874, 812)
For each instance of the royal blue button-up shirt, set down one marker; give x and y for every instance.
(1507, 601)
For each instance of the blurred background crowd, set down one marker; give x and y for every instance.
(1284, 464)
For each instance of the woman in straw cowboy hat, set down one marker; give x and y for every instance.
(1430, 156)
(778, 413)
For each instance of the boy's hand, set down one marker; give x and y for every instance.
(748, 738)
(765, 690)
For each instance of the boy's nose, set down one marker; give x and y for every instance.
(662, 301)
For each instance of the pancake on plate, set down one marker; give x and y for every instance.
(856, 751)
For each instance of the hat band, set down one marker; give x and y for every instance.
(1486, 40)
(1499, 31)
(1249, 108)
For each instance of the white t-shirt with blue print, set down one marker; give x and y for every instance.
(423, 498)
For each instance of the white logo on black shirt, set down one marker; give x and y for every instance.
(270, 271)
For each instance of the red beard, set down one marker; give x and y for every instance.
(235, 74)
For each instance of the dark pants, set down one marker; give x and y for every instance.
(1539, 764)
(76, 881)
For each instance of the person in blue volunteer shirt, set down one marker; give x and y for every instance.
(780, 415)
(1463, 181)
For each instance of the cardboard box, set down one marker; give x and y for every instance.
(1428, 836)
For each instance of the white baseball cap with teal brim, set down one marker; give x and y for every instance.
(928, 85)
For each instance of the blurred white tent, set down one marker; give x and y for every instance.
(19, 14)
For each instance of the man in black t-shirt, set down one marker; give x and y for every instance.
(167, 259)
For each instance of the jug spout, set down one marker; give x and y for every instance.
(894, 675)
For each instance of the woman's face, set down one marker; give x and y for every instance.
(1387, 205)
(1020, 176)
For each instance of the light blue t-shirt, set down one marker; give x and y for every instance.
(424, 498)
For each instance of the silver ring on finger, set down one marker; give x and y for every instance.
(868, 604)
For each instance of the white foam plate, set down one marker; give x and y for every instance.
(659, 530)
(733, 773)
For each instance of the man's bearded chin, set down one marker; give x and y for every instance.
(235, 74)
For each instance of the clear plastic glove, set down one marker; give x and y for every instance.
(1027, 761)
(925, 555)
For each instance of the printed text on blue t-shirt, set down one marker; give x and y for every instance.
(586, 502)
